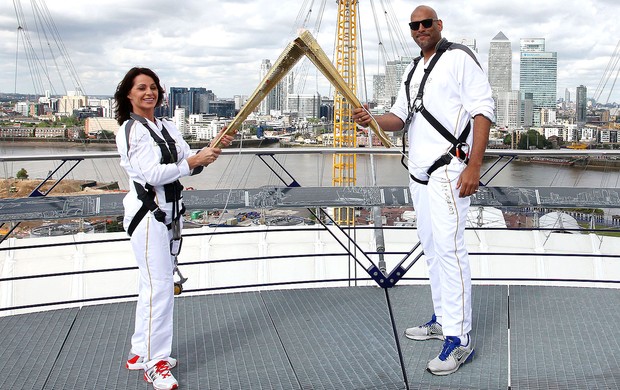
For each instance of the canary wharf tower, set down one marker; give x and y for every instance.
(507, 101)
(500, 64)
(538, 75)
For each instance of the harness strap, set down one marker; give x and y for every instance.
(407, 83)
(168, 147)
(442, 46)
(147, 196)
(418, 106)
(128, 126)
(146, 193)
(443, 131)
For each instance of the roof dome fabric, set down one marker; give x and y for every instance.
(559, 221)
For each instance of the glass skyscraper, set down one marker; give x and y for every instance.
(500, 64)
(276, 98)
(538, 75)
(178, 97)
(507, 101)
(194, 100)
(582, 103)
(267, 103)
(393, 77)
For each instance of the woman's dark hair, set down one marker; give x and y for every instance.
(123, 105)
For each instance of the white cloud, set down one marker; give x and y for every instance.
(219, 44)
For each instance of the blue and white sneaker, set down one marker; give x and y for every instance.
(430, 330)
(452, 356)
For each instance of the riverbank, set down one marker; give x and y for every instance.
(84, 144)
(237, 143)
(18, 188)
(101, 144)
(22, 188)
(579, 162)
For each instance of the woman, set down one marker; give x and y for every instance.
(155, 156)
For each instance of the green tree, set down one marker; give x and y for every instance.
(22, 174)
(533, 140)
(105, 134)
(70, 121)
(113, 226)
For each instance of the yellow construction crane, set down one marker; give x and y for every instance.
(345, 59)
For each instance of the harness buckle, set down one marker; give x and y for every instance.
(159, 215)
(177, 238)
(445, 158)
(408, 120)
(175, 246)
(417, 104)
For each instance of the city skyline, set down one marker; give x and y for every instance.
(201, 45)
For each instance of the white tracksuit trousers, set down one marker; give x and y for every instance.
(152, 338)
(441, 219)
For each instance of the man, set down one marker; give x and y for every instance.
(444, 165)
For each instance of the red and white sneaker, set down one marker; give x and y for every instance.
(135, 362)
(161, 377)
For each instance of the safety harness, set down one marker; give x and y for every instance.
(146, 193)
(460, 149)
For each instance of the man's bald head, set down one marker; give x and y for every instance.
(426, 10)
(426, 29)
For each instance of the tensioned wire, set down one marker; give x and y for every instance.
(241, 183)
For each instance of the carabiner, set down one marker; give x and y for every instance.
(178, 285)
(460, 148)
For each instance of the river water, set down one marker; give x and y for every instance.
(245, 171)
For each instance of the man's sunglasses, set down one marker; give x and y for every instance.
(426, 23)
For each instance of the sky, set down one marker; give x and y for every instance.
(219, 44)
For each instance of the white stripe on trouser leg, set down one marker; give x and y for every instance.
(441, 218)
(152, 336)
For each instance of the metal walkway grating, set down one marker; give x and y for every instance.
(489, 368)
(326, 338)
(228, 342)
(564, 338)
(337, 338)
(30, 344)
